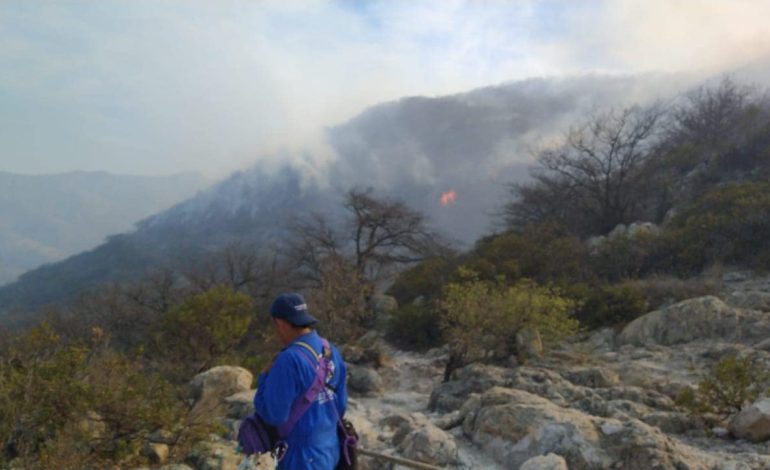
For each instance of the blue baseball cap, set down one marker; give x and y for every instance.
(292, 308)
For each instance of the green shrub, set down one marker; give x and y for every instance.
(480, 319)
(625, 257)
(203, 328)
(78, 406)
(425, 279)
(610, 305)
(729, 225)
(415, 326)
(543, 252)
(733, 383)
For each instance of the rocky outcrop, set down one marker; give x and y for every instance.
(211, 389)
(514, 426)
(695, 319)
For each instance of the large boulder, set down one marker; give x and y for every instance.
(694, 319)
(221, 381)
(545, 462)
(514, 426)
(212, 388)
(753, 423)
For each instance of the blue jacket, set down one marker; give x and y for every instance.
(313, 443)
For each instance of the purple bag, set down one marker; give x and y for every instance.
(257, 437)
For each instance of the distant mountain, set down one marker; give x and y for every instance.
(416, 149)
(46, 218)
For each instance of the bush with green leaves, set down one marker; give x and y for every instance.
(733, 382)
(81, 405)
(544, 252)
(424, 279)
(415, 326)
(480, 319)
(203, 329)
(609, 305)
(728, 225)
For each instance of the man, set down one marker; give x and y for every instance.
(312, 442)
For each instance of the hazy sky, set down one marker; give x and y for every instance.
(161, 86)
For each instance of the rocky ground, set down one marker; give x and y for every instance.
(604, 401)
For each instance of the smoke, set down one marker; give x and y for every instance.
(157, 87)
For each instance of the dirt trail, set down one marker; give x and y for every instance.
(408, 380)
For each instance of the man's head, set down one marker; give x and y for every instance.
(290, 316)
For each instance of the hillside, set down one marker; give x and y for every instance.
(418, 148)
(46, 218)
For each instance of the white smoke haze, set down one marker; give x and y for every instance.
(151, 87)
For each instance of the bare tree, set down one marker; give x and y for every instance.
(387, 233)
(594, 177)
(377, 236)
(710, 116)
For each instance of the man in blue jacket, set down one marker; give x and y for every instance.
(312, 442)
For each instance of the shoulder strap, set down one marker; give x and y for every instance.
(310, 349)
(306, 400)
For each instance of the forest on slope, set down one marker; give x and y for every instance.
(635, 208)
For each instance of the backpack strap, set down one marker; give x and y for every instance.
(322, 365)
(309, 349)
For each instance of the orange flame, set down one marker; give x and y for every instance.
(448, 198)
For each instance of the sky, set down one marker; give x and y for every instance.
(156, 87)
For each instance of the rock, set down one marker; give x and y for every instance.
(620, 230)
(221, 381)
(155, 452)
(750, 300)
(592, 377)
(474, 378)
(694, 319)
(93, 426)
(163, 436)
(431, 445)
(753, 423)
(638, 229)
(449, 420)
(545, 462)
(176, 466)
(398, 427)
(210, 390)
(214, 455)
(364, 380)
(514, 426)
(596, 242)
(735, 276)
(671, 422)
(602, 340)
(529, 345)
(240, 405)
